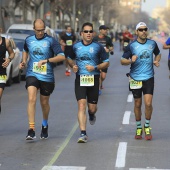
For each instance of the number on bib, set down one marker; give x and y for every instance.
(86, 80)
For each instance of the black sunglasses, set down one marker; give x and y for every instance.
(88, 31)
(142, 29)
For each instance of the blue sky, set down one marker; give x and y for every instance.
(149, 5)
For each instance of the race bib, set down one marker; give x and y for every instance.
(69, 42)
(125, 44)
(3, 78)
(135, 84)
(86, 80)
(40, 70)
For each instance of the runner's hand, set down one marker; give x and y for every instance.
(156, 63)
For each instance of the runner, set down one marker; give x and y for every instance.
(67, 41)
(87, 66)
(5, 45)
(106, 41)
(127, 37)
(141, 77)
(166, 45)
(43, 51)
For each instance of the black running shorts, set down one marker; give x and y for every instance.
(46, 88)
(91, 93)
(147, 88)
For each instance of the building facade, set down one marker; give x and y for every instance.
(134, 5)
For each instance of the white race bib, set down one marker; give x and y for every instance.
(40, 70)
(135, 84)
(86, 80)
(3, 78)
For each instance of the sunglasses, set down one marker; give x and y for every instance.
(142, 29)
(88, 31)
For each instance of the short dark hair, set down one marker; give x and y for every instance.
(36, 21)
(87, 24)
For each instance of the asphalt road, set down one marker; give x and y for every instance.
(111, 144)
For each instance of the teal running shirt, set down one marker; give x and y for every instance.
(41, 49)
(142, 69)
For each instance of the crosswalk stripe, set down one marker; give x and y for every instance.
(63, 168)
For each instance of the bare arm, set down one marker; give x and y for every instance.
(10, 52)
(125, 61)
(24, 60)
(165, 46)
(157, 59)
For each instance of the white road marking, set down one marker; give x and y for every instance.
(126, 118)
(63, 168)
(146, 169)
(130, 98)
(121, 155)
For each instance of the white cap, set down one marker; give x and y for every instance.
(140, 24)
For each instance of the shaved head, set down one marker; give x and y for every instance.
(39, 23)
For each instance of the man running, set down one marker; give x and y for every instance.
(67, 41)
(139, 54)
(43, 51)
(106, 41)
(5, 46)
(87, 66)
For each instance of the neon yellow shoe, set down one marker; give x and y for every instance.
(148, 135)
(138, 133)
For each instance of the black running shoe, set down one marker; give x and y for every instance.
(30, 135)
(44, 132)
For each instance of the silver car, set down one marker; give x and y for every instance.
(13, 71)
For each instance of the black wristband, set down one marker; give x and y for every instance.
(10, 59)
(48, 61)
(95, 68)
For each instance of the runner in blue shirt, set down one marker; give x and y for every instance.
(90, 58)
(42, 51)
(166, 45)
(141, 77)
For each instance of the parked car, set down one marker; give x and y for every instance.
(13, 71)
(21, 29)
(27, 29)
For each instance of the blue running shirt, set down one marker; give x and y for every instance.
(142, 69)
(168, 43)
(41, 49)
(91, 54)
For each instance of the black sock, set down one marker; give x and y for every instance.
(91, 115)
(83, 132)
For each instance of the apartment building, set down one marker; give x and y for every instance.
(134, 5)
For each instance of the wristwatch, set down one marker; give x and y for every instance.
(95, 68)
(10, 59)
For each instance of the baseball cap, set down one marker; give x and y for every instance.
(140, 24)
(103, 27)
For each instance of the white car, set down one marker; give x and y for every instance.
(13, 71)
(19, 40)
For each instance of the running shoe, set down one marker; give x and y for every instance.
(82, 138)
(44, 132)
(100, 92)
(67, 73)
(30, 135)
(92, 119)
(138, 133)
(148, 135)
